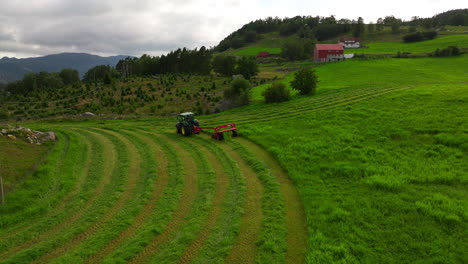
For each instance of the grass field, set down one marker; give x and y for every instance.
(390, 47)
(18, 159)
(255, 50)
(372, 169)
(381, 73)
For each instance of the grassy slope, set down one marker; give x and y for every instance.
(255, 50)
(21, 158)
(382, 181)
(379, 73)
(415, 47)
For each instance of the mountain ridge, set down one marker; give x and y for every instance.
(13, 69)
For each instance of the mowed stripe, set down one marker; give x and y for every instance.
(160, 184)
(244, 249)
(133, 176)
(222, 183)
(189, 194)
(295, 214)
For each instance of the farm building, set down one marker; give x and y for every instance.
(328, 52)
(263, 54)
(350, 42)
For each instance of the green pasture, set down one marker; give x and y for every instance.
(253, 51)
(392, 47)
(378, 157)
(381, 73)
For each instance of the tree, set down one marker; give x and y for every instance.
(247, 67)
(69, 76)
(239, 91)
(371, 28)
(292, 50)
(380, 24)
(359, 27)
(276, 93)
(395, 27)
(250, 36)
(305, 81)
(297, 49)
(224, 65)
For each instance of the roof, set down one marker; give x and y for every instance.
(349, 39)
(186, 113)
(329, 47)
(263, 54)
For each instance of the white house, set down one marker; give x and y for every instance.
(350, 42)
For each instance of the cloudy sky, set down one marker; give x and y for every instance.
(134, 27)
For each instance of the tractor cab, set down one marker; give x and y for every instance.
(187, 124)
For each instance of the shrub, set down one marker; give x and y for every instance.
(276, 93)
(305, 81)
(447, 52)
(239, 92)
(419, 36)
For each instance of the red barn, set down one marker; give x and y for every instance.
(328, 52)
(263, 54)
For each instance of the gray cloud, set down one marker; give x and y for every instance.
(129, 27)
(100, 27)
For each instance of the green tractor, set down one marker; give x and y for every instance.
(187, 124)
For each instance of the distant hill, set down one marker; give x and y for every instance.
(13, 69)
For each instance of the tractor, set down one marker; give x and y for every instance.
(188, 125)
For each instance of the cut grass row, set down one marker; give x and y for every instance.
(164, 209)
(122, 215)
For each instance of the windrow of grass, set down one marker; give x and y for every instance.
(125, 216)
(272, 241)
(171, 251)
(219, 243)
(163, 210)
(382, 181)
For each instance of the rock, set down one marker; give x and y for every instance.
(30, 140)
(11, 137)
(4, 131)
(87, 114)
(48, 136)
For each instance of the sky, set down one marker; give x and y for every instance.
(30, 28)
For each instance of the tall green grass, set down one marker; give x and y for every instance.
(416, 47)
(368, 172)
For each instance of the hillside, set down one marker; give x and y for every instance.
(370, 170)
(13, 69)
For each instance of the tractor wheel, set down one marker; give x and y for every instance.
(178, 126)
(186, 131)
(234, 133)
